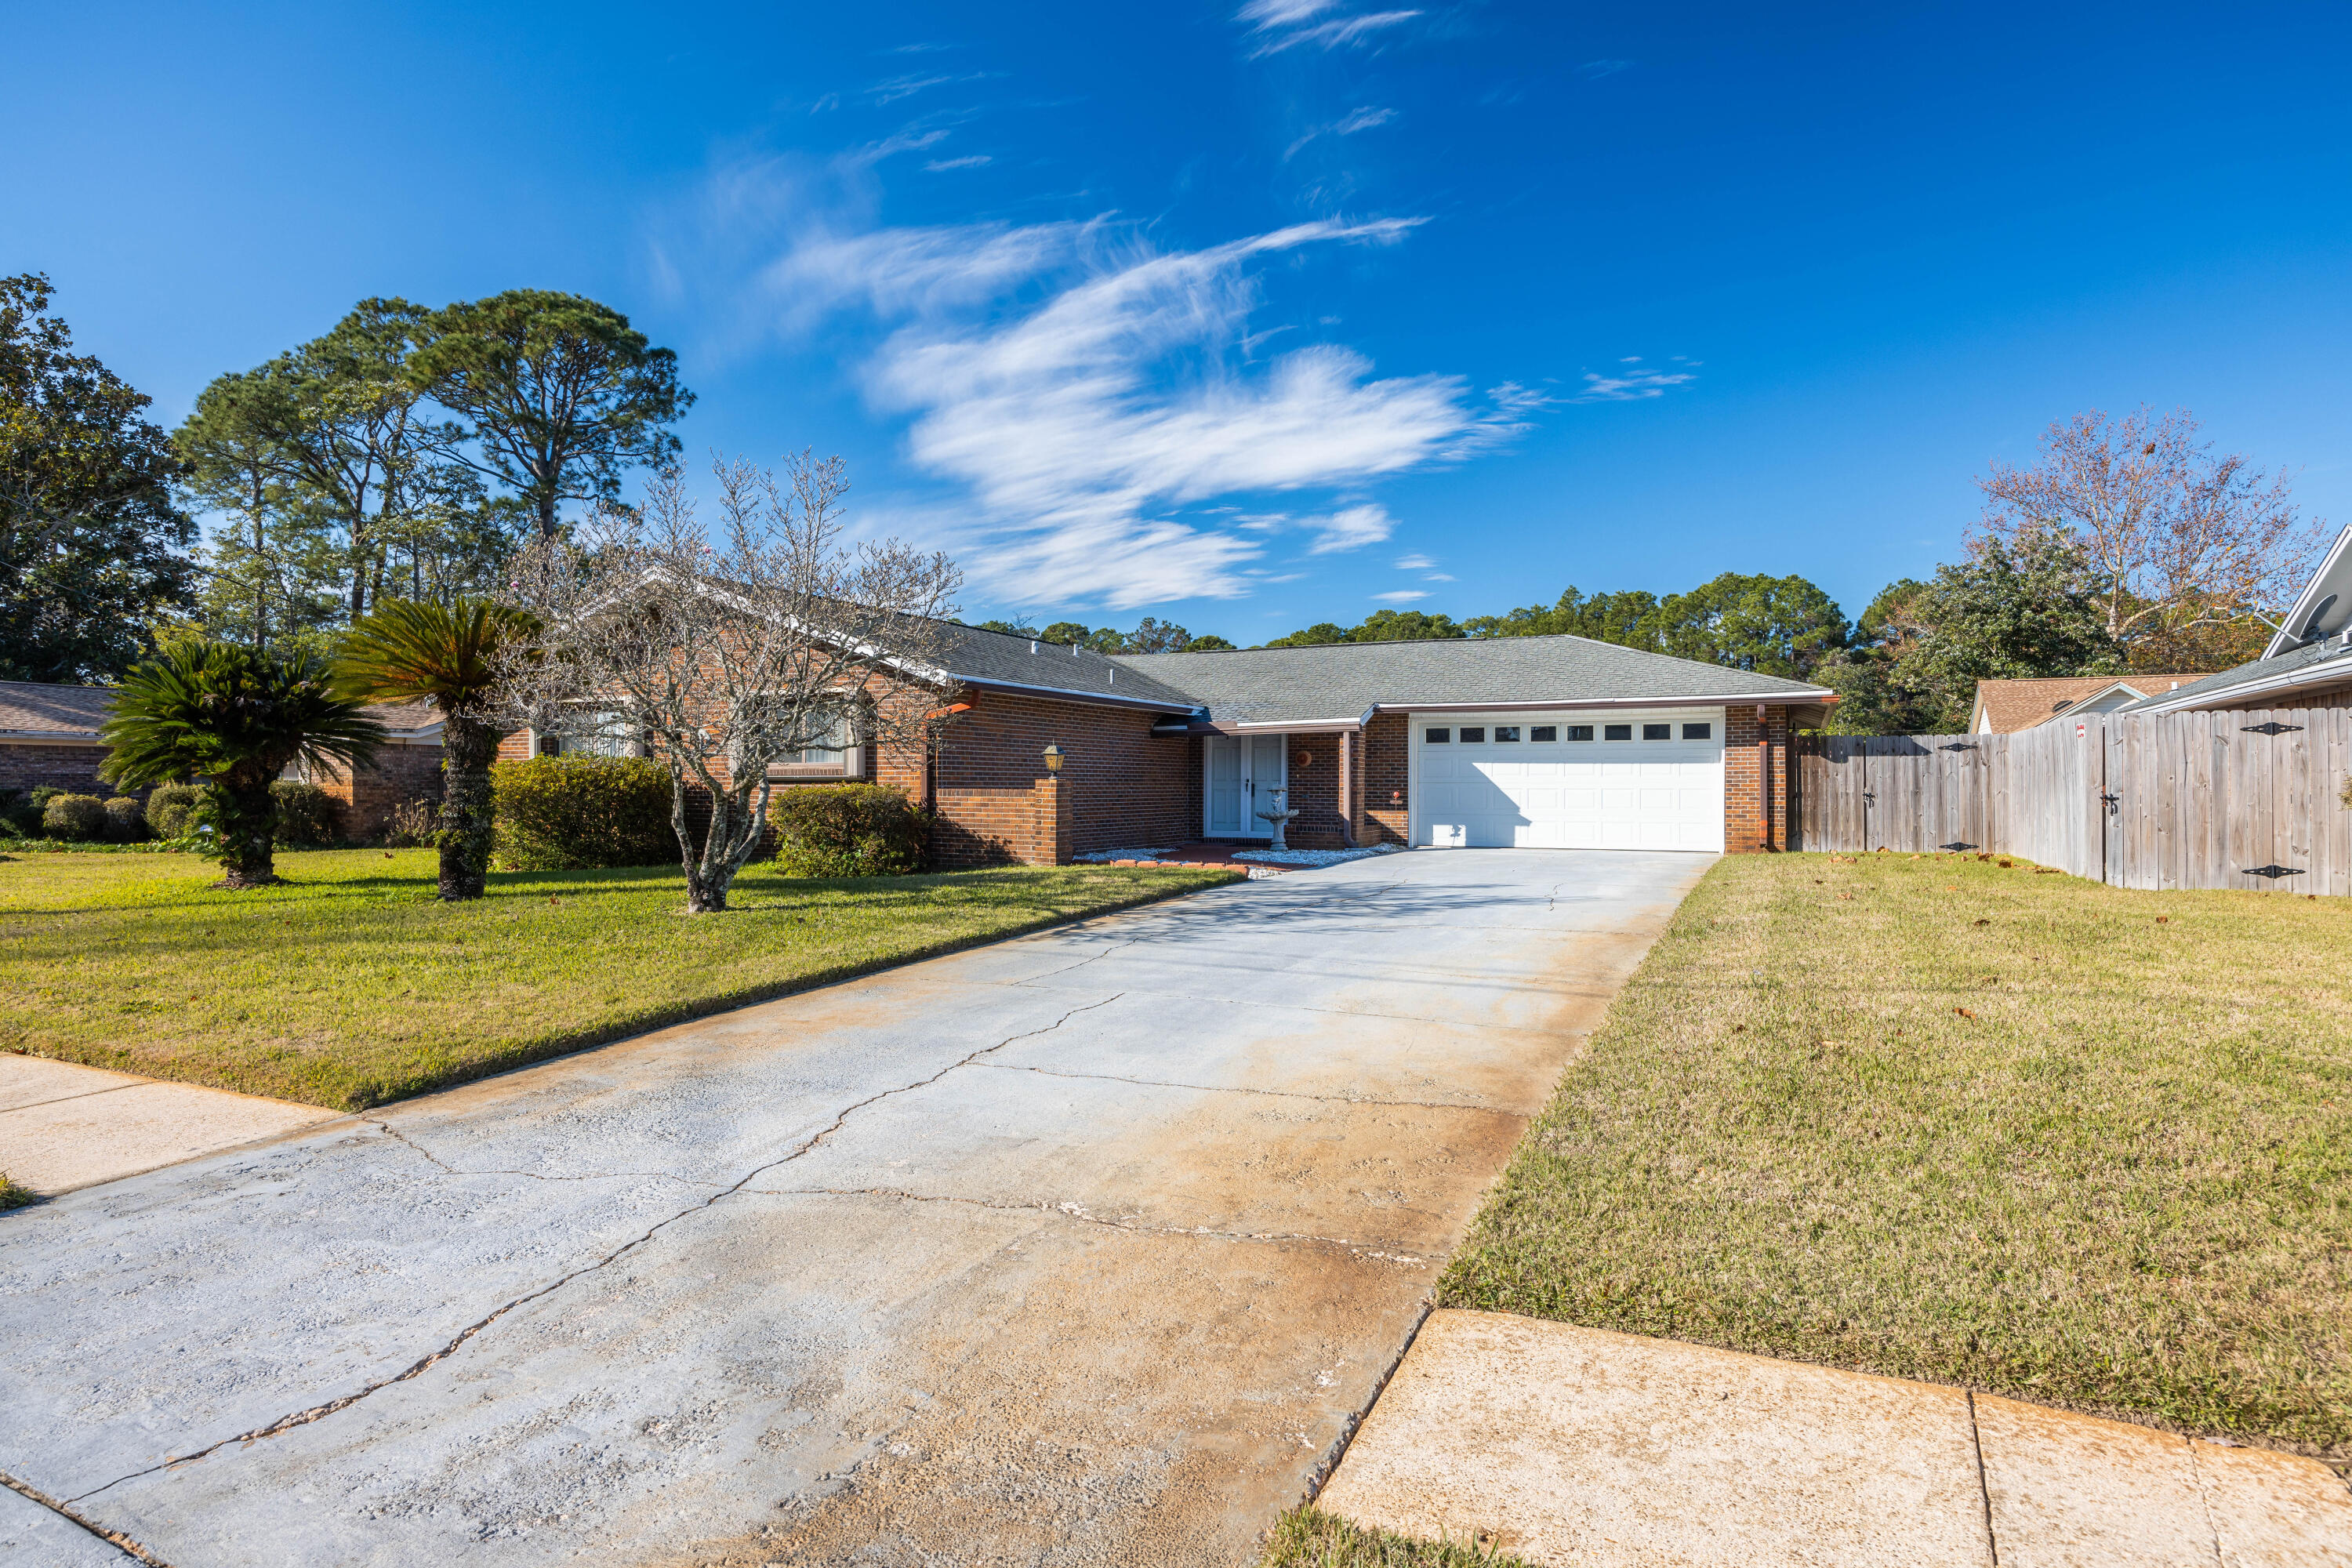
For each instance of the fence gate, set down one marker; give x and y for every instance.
(2246, 799)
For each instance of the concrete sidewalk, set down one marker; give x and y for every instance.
(64, 1127)
(1563, 1445)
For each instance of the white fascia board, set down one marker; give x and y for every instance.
(51, 737)
(2290, 632)
(2334, 671)
(1780, 697)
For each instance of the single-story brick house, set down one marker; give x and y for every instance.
(2006, 707)
(49, 735)
(1554, 741)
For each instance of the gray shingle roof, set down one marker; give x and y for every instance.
(995, 659)
(74, 712)
(1340, 680)
(2300, 669)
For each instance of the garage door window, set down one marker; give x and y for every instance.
(1698, 731)
(1579, 732)
(1617, 731)
(1473, 735)
(1437, 737)
(1657, 731)
(1506, 731)
(1544, 732)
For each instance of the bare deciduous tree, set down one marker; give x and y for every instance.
(724, 655)
(2184, 543)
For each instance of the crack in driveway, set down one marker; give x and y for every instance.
(65, 1511)
(1270, 1093)
(1079, 1212)
(319, 1412)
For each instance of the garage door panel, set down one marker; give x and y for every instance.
(1614, 794)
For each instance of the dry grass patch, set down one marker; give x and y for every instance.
(1942, 1119)
(353, 986)
(1309, 1538)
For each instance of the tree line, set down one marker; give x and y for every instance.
(2128, 545)
(405, 454)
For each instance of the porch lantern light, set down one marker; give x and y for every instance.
(1053, 758)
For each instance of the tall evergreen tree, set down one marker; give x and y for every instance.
(93, 547)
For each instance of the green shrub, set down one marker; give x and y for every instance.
(23, 808)
(74, 817)
(565, 814)
(847, 830)
(169, 807)
(126, 820)
(307, 814)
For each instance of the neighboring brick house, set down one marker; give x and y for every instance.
(49, 735)
(2005, 707)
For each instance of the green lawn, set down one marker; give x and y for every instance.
(353, 986)
(1937, 1118)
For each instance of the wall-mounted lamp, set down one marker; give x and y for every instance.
(1053, 758)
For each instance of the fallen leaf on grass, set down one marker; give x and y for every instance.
(2009, 864)
(1984, 923)
(1964, 1013)
(2164, 920)
(1847, 897)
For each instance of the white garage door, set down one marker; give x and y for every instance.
(1569, 781)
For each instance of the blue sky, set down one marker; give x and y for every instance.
(1256, 314)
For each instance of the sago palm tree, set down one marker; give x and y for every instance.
(450, 656)
(233, 719)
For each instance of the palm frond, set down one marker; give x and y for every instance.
(447, 655)
(210, 708)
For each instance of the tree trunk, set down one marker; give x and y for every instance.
(246, 822)
(737, 828)
(469, 745)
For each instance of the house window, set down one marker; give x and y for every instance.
(1437, 737)
(1473, 735)
(1579, 732)
(1506, 731)
(832, 753)
(589, 733)
(1657, 731)
(1617, 731)
(1698, 731)
(1544, 732)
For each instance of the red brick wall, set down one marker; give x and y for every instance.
(398, 775)
(1120, 784)
(1315, 793)
(1755, 818)
(1385, 799)
(72, 768)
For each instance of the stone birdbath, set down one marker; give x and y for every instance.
(1278, 815)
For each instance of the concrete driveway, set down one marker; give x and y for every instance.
(1087, 1247)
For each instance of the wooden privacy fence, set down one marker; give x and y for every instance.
(2247, 799)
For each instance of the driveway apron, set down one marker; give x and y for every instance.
(1087, 1247)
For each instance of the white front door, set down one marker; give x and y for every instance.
(1569, 780)
(1238, 773)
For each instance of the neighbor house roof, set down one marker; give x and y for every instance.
(2005, 707)
(1343, 681)
(72, 715)
(2263, 683)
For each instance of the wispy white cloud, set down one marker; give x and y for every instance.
(1439, 577)
(1593, 71)
(1414, 563)
(908, 85)
(1348, 124)
(1350, 528)
(1280, 25)
(940, 165)
(1402, 596)
(1087, 394)
(1634, 382)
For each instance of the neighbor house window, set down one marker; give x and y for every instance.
(1617, 731)
(1473, 735)
(1437, 737)
(1657, 731)
(1506, 731)
(1698, 731)
(1579, 732)
(1544, 732)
